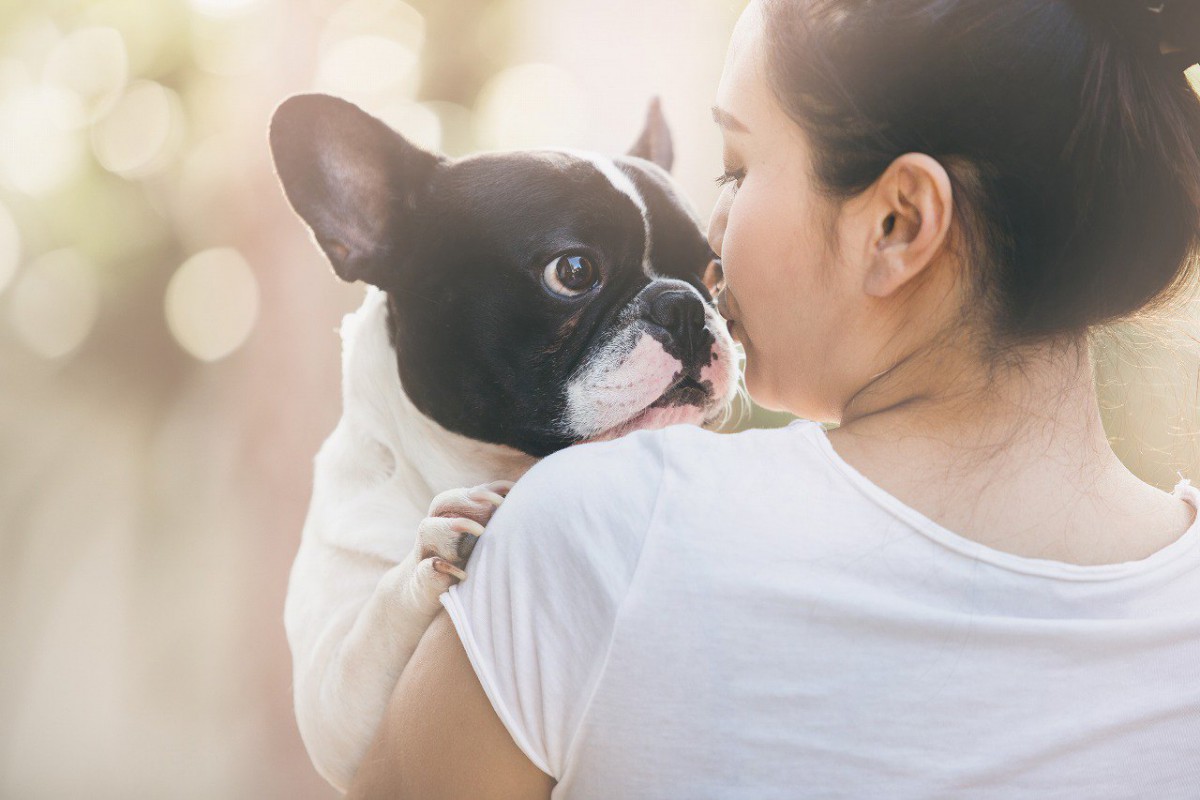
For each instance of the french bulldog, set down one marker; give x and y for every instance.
(518, 303)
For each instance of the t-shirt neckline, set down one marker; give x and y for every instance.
(1011, 561)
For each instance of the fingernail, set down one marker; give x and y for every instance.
(500, 487)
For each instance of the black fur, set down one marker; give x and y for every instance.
(460, 246)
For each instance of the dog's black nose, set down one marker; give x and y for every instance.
(680, 312)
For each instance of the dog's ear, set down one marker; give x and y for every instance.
(655, 142)
(351, 178)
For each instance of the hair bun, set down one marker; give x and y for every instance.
(1177, 24)
(1170, 27)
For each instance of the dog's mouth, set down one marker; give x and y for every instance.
(685, 400)
(685, 391)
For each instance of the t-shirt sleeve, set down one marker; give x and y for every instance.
(545, 584)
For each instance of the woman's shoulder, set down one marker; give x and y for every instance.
(633, 460)
(642, 456)
(756, 453)
(609, 494)
(583, 495)
(692, 436)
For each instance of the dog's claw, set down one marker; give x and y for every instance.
(500, 487)
(482, 493)
(456, 520)
(446, 568)
(468, 526)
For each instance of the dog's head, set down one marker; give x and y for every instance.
(536, 298)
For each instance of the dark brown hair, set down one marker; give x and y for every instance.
(1072, 143)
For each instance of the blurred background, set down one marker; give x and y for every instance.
(169, 349)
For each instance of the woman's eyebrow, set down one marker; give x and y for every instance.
(728, 121)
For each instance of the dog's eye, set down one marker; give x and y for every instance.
(570, 276)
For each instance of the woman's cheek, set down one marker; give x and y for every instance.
(719, 221)
(749, 259)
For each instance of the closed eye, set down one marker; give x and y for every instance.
(731, 176)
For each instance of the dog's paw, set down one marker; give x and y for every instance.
(456, 520)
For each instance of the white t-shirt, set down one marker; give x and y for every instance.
(683, 614)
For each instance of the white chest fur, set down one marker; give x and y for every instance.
(378, 471)
(357, 603)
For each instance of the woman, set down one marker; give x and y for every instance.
(960, 591)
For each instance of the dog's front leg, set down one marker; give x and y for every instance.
(340, 713)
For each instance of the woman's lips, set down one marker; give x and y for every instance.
(723, 305)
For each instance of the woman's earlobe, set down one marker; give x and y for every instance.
(885, 274)
(896, 255)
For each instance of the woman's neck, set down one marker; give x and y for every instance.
(949, 395)
(1016, 458)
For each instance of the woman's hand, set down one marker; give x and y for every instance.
(441, 738)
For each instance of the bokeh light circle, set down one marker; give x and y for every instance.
(40, 148)
(223, 8)
(457, 125)
(211, 303)
(530, 106)
(367, 65)
(141, 133)
(55, 302)
(393, 19)
(417, 122)
(232, 46)
(10, 247)
(91, 63)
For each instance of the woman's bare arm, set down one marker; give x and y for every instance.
(441, 738)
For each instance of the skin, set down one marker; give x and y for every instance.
(848, 313)
(441, 739)
(852, 314)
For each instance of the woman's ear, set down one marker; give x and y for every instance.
(910, 211)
